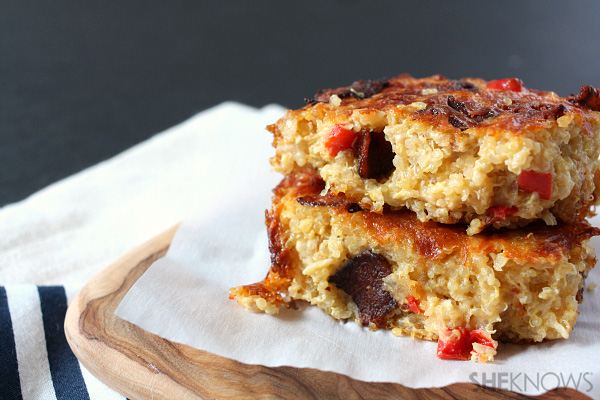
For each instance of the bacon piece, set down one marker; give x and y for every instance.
(458, 121)
(361, 89)
(375, 154)
(457, 105)
(588, 97)
(474, 114)
(362, 278)
(462, 85)
(329, 200)
(579, 295)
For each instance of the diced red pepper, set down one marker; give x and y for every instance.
(501, 212)
(457, 343)
(498, 213)
(478, 336)
(514, 84)
(536, 182)
(338, 139)
(413, 304)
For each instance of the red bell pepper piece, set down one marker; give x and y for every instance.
(514, 84)
(536, 182)
(457, 343)
(477, 336)
(499, 213)
(338, 139)
(413, 304)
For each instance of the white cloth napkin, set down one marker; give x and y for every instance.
(71, 230)
(68, 232)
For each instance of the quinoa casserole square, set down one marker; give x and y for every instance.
(448, 210)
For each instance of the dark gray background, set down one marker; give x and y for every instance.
(83, 80)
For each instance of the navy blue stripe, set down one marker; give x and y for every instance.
(64, 368)
(9, 367)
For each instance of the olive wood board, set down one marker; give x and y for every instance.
(141, 365)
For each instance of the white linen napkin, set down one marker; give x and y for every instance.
(71, 230)
(66, 233)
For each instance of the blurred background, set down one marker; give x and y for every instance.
(81, 81)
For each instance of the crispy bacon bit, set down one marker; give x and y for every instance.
(536, 182)
(513, 84)
(352, 208)
(362, 278)
(462, 85)
(588, 97)
(339, 139)
(470, 117)
(555, 112)
(322, 96)
(375, 154)
(457, 105)
(579, 295)
(459, 121)
(329, 200)
(481, 114)
(413, 304)
(361, 89)
(457, 343)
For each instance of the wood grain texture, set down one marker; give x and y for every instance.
(141, 365)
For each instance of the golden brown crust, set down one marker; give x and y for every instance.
(524, 283)
(431, 240)
(461, 104)
(279, 276)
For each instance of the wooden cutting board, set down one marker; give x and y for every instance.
(141, 365)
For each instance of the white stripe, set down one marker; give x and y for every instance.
(30, 341)
(96, 389)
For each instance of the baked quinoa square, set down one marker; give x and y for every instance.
(425, 279)
(482, 153)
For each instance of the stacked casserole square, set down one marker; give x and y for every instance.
(448, 210)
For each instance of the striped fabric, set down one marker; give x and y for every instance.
(36, 362)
